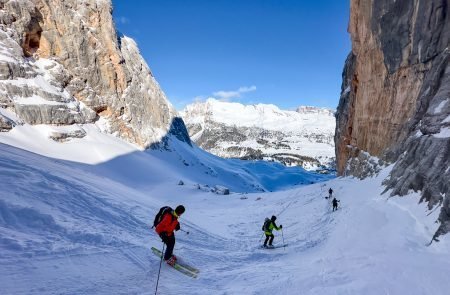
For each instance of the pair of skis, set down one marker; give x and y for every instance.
(274, 247)
(192, 271)
(181, 267)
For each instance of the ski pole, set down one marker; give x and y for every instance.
(159, 271)
(261, 238)
(184, 231)
(284, 245)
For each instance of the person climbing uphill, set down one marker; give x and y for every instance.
(268, 227)
(330, 193)
(165, 227)
(335, 204)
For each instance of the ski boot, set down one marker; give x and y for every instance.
(172, 260)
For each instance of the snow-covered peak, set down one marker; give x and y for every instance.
(267, 116)
(263, 131)
(314, 110)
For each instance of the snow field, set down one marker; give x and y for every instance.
(80, 224)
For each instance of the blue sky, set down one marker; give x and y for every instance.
(284, 52)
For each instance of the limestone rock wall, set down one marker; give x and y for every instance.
(395, 99)
(62, 62)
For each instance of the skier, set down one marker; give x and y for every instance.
(330, 193)
(169, 223)
(335, 204)
(269, 225)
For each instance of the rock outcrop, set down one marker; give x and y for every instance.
(6, 124)
(395, 99)
(62, 62)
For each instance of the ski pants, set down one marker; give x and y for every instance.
(170, 243)
(269, 238)
(334, 207)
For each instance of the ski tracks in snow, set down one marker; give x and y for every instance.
(225, 260)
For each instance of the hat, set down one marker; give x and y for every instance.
(273, 218)
(179, 210)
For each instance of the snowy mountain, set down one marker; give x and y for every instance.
(75, 218)
(232, 130)
(44, 80)
(90, 149)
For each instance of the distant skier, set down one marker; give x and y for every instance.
(269, 225)
(335, 204)
(330, 193)
(166, 221)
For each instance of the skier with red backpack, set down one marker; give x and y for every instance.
(165, 223)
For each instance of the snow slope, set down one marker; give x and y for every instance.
(72, 224)
(106, 155)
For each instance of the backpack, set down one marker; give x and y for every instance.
(266, 224)
(160, 215)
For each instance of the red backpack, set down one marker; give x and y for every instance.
(163, 211)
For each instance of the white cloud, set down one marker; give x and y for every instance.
(227, 95)
(221, 95)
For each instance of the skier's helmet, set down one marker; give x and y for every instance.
(179, 210)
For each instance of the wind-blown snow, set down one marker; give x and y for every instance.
(75, 218)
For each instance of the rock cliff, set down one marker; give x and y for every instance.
(62, 62)
(395, 99)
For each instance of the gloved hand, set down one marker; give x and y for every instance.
(281, 226)
(177, 227)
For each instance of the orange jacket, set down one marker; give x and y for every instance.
(168, 224)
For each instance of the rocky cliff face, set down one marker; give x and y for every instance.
(263, 132)
(62, 62)
(395, 100)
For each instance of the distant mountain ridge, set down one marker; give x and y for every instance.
(303, 137)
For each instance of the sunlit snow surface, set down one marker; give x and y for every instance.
(75, 218)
